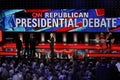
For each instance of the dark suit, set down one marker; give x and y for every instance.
(32, 47)
(18, 47)
(108, 43)
(26, 48)
(52, 46)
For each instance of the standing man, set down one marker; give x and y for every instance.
(26, 48)
(32, 42)
(109, 40)
(51, 42)
(18, 46)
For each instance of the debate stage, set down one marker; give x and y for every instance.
(88, 50)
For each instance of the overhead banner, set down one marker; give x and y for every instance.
(58, 20)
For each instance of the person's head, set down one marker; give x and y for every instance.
(110, 33)
(101, 34)
(31, 36)
(41, 78)
(51, 34)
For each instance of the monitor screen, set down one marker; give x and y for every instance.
(59, 20)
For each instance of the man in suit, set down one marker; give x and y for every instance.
(26, 48)
(18, 46)
(32, 43)
(51, 42)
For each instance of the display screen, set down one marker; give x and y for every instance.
(59, 20)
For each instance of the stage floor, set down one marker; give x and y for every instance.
(90, 50)
(66, 46)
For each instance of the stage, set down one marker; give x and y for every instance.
(82, 50)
